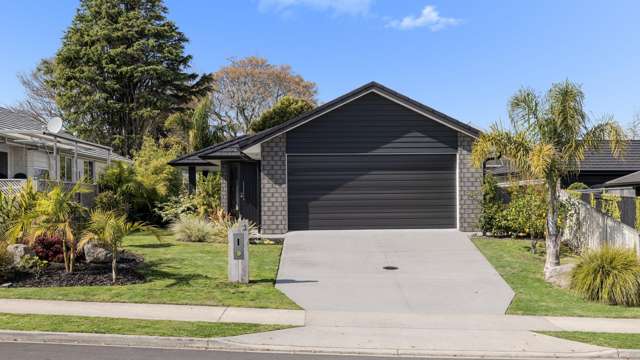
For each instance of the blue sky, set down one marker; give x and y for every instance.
(464, 58)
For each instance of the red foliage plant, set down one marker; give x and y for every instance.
(49, 248)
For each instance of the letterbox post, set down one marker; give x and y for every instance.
(239, 253)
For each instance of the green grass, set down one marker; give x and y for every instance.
(99, 325)
(524, 273)
(181, 273)
(612, 340)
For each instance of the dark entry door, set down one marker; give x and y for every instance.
(371, 191)
(4, 165)
(243, 191)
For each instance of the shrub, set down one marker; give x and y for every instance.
(608, 275)
(48, 248)
(207, 195)
(577, 186)
(491, 204)
(192, 228)
(223, 222)
(110, 201)
(610, 205)
(6, 259)
(33, 264)
(176, 207)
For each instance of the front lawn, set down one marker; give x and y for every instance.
(100, 325)
(181, 273)
(523, 272)
(612, 340)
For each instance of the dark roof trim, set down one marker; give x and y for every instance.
(355, 94)
(195, 158)
(629, 179)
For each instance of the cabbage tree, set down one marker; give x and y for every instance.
(548, 138)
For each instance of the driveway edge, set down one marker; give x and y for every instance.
(222, 344)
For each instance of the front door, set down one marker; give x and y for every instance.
(243, 191)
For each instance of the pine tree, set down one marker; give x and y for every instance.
(122, 70)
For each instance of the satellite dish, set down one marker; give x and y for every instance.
(54, 125)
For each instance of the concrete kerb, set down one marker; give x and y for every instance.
(223, 344)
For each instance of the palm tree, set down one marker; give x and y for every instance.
(54, 214)
(548, 138)
(108, 229)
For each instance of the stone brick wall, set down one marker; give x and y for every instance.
(224, 188)
(274, 186)
(469, 186)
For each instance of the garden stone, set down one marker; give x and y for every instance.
(560, 276)
(93, 253)
(19, 251)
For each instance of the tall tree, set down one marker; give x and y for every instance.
(548, 138)
(192, 129)
(40, 99)
(284, 110)
(633, 130)
(246, 88)
(122, 70)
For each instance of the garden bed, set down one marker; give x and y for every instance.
(180, 273)
(83, 275)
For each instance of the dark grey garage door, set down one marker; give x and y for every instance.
(371, 191)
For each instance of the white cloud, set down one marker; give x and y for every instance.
(429, 17)
(339, 7)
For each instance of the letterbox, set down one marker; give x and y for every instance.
(238, 246)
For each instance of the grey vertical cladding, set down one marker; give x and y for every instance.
(469, 186)
(224, 187)
(273, 181)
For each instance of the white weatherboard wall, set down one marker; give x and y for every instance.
(595, 229)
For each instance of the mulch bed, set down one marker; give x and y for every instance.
(83, 275)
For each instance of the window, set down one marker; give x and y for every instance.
(89, 171)
(42, 174)
(66, 168)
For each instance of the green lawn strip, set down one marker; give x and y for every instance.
(181, 273)
(100, 325)
(612, 340)
(523, 272)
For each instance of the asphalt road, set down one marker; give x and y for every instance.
(23, 351)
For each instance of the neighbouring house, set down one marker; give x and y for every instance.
(627, 185)
(29, 150)
(370, 159)
(597, 169)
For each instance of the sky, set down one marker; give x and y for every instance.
(462, 57)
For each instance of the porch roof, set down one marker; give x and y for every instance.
(21, 128)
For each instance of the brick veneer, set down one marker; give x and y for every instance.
(273, 181)
(469, 185)
(224, 187)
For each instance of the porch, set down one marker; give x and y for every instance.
(12, 186)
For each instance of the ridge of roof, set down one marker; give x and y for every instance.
(245, 141)
(276, 130)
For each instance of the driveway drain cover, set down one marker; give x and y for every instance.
(388, 267)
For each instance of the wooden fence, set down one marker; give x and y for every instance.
(626, 205)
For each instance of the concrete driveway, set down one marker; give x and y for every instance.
(439, 271)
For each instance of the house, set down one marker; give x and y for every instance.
(627, 185)
(370, 159)
(28, 149)
(596, 169)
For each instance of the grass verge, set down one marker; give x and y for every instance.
(181, 273)
(523, 271)
(612, 340)
(100, 325)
